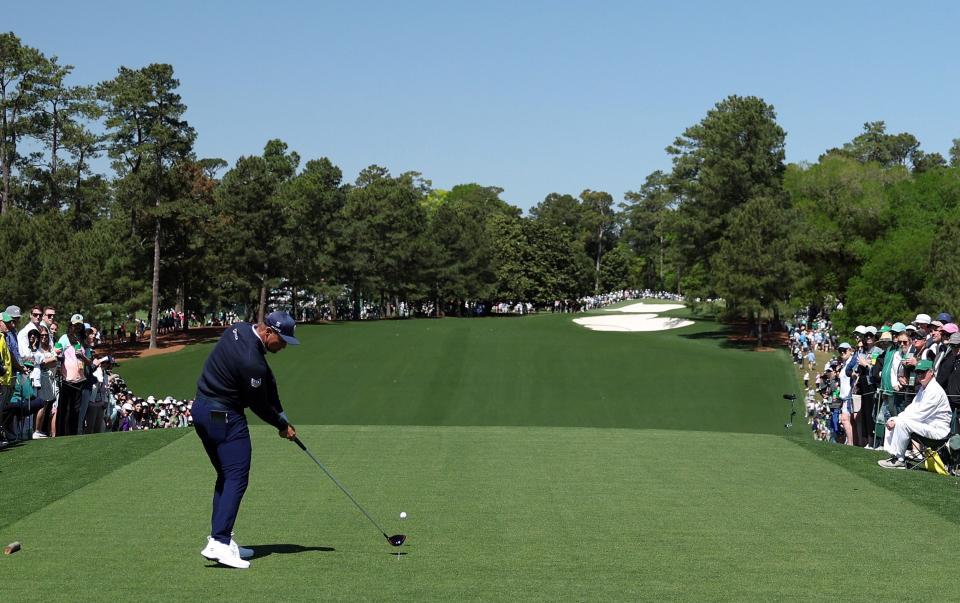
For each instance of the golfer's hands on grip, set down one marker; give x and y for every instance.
(289, 432)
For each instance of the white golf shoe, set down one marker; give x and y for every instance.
(245, 553)
(226, 554)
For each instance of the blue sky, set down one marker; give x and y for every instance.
(534, 97)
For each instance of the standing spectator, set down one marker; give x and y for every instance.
(946, 363)
(49, 314)
(31, 325)
(868, 377)
(846, 375)
(72, 361)
(9, 329)
(47, 390)
(6, 376)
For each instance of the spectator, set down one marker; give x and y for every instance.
(31, 325)
(944, 366)
(9, 328)
(47, 386)
(70, 352)
(846, 374)
(928, 415)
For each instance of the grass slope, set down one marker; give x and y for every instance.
(538, 370)
(502, 513)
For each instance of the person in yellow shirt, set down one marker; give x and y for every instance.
(6, 378)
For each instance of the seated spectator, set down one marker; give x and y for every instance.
(928, 415)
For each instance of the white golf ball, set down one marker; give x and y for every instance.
(403, 515)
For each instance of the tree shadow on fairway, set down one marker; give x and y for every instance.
(726, 338)
(264, 550)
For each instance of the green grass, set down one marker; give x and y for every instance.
(38, 473)
(537, 461)
(539, 370)
(497, 513)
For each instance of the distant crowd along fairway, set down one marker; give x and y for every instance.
(540, 369)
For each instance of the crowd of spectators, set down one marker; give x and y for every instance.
(54, 386)
(887, 388)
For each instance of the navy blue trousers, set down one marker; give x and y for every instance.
(226, 439)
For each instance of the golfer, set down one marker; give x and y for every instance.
(236, 376)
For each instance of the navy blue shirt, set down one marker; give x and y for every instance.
(236, 375)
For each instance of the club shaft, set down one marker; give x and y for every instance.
(339, 485)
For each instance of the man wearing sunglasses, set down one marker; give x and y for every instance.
(32, 325)
(236, 376)
(928, 416)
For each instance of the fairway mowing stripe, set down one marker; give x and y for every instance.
(121, 463)
(934, 493)
(496, 513)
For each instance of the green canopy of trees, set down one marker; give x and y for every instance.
(872, 223)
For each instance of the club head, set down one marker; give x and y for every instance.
(397, 539)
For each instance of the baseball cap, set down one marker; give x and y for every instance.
(944, 317)
(885, 329)
(5, 317)
(924, 365)
(922, 319)
(910, 328)
(284, 324)
(13, 311)
(898, 327)
(871, 330)
(937, 323)
(76, 319)
(860, 330)
(886, 336)
(954, 339)
(950, 327)
(844, 346)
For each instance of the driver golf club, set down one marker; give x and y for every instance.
(395, 540)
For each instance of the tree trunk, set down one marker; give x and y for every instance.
(293, 301)
(261, 311)
(54, 188)
(4, 155)
(155, 297)
(596, 283)
(759, 330)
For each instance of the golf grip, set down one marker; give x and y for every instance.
(339, 485)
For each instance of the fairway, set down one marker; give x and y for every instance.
(537, 460)
(494, 514)
(536, 370)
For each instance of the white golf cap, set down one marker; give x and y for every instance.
(860, 330)
(922, 319)
(910, 328)
(871, 329)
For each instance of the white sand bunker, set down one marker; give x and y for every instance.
(646, 308)
(632, 322)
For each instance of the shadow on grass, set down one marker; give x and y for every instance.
(265, 550)
(7, 446)
(726, 338)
